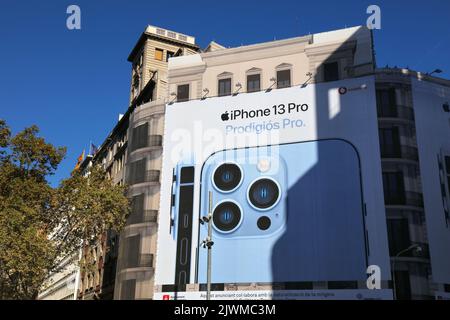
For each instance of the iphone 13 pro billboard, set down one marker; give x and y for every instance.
(292, 178)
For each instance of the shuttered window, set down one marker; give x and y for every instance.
(140, 137)
(132, 245)
(394, 189)
(137, 172)
(225, 87)
(183, 92)
(128, 289)
(253, 82)
(386, 102)
(398, 234)
(283, 79)
(137, 209)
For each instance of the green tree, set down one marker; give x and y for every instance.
(40, 225)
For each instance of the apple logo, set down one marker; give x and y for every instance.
(225, 116)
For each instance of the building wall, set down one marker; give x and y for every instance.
(62, 285)
(97, 281)
(143, 160)
(304, 56)
(138, 239)
(433, 131)
(415, 212)
(147, 67)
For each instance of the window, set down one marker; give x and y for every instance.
(393, 186)
(283, 79)
(169, 55)
(389, 142)
(447, 164)
(183, 92)
(398, 235)
(137, 209)
(128, 291)
(402, 285)
(253, 82)
(159, 54)
(386, 103)
(140, 137)
(136, 173)
(331, 71)
(132, 247)
(225, 87)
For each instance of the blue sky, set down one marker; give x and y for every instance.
(74, 84)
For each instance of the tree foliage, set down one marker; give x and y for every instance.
(40, 225)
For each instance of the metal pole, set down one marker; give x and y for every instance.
(209, 244)
(393, 280)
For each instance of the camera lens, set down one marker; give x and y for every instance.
(227, 177)
(226, 216)
(263, 193)
(263, 223)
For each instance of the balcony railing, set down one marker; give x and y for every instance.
(146, 260)
(155, 140)
(152, 176)
(142, 216)
(150, 215)
(408, 198)
(400, 112)
(404, 152)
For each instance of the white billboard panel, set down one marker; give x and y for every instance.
(294, 178)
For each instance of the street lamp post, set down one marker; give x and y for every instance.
(208, 243)
(411, 247)
(435, 71)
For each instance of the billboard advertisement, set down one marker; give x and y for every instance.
(285, 188)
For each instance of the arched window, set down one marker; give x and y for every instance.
(224, 84)
(284, 75)
(253, 79)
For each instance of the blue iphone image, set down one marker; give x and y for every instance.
(287, 213)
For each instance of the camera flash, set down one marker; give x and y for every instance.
(263, 165)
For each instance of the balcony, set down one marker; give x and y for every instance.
(398, 112)
(150, 216)
(143, 217)
(408, 198)
(155, 140)
(399, 152)
(152, 176)
(146, 260)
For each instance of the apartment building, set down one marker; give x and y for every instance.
(414, 171)
(98, 262)
(412, 110)
(63, 284)
(131, 154)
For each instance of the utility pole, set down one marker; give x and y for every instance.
(208, 243)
